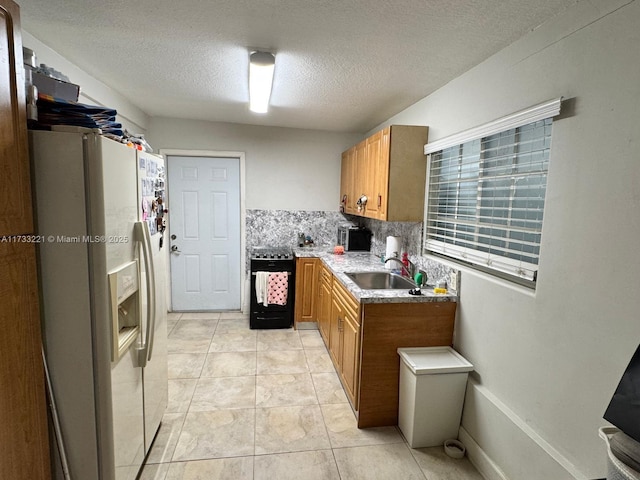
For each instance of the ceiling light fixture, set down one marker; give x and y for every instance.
(261, 67)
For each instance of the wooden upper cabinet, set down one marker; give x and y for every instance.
(383, 173)
(347, 179)
(359, 175)
(407, 171)
(373, 176)
(391, 170)
(15, 194)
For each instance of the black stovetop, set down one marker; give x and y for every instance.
(272, 252)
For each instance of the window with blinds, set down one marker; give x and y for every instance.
(485, 201)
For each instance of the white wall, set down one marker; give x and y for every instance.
(92, 90)
(286, 168)
(547, 362)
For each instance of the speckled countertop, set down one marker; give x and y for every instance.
(366, 262)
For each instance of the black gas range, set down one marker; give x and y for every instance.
(273, 280)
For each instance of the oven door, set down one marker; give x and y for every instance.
(272, 315)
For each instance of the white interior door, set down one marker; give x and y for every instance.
(204, 236)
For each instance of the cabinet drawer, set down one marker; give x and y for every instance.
(326, 276)
(347, 300)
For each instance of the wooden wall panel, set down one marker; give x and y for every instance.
(15, 193)
(24, 440)
(24, 448)
(385, 328)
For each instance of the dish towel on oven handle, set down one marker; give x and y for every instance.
(277, 288)
(262, 285)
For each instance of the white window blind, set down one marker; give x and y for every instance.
(485, 200)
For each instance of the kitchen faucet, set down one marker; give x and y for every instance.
(409, 270)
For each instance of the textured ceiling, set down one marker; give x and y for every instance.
(343, 65)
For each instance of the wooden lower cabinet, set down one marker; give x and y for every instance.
(306, 290)
(325, 281)
(344, 339)
(350, 357)
(385, 328)
(339, 325)
(363, 340)
(335, 329)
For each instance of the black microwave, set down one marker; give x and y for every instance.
(354, 238)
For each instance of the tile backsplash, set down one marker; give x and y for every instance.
(282, 228)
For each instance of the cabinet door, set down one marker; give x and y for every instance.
(324, 304)
(391, 173)
(406, 173)
(347, 179)
(306, 292)
(335, 331)
(360, 174)
(350, 356)
(371, 175)
(382, 174)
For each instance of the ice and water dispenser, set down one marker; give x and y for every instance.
(124, 296)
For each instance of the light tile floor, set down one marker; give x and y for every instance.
(267, 404)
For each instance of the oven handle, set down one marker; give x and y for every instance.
(288, 273)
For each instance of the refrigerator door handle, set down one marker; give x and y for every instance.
(151, 271)
(144, 237)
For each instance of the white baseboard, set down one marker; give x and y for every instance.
(483, 463)
(502, 446)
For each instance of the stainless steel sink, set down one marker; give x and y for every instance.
(380, 281)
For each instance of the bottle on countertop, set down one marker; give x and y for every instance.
(441, 287)
(405, 262)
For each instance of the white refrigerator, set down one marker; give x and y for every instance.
(102, 280)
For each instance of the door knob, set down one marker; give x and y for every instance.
(174, 249)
